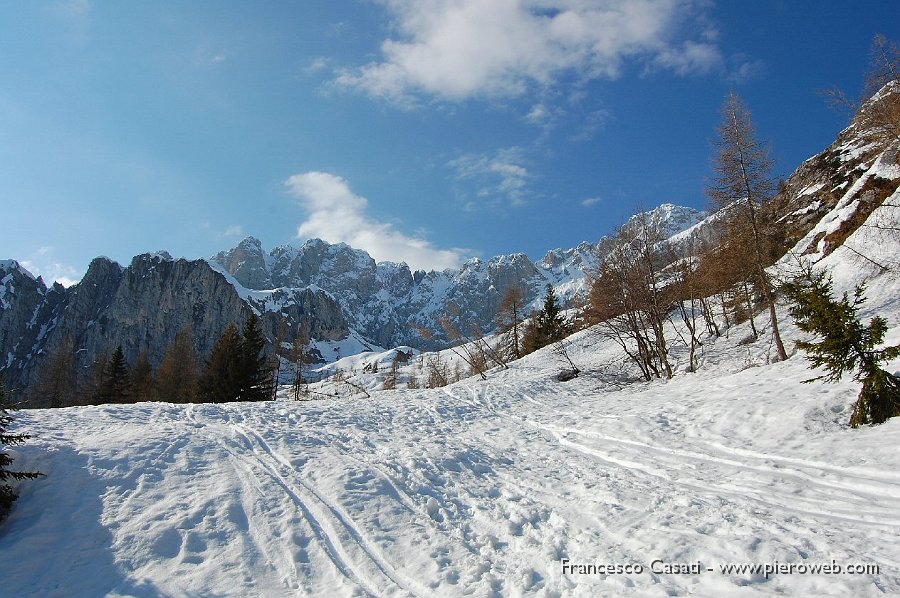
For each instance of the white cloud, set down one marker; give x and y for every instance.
(743, 68)
(43, 263)
(316, 65)
(498, 175)
(338, 215)
(690, 57)
(538, 114)
(233, 231)
(591, 201)
(457, 49)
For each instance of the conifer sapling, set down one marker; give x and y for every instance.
(846, 345)
(7, 493)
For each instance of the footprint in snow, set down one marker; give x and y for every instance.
(434, 510)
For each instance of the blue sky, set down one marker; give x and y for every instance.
(428, 131)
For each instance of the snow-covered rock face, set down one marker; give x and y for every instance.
(26, 305)
(247, 263)
(816, 187)
(669, 218)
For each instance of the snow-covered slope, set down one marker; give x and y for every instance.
(483, 488)
(480, 488)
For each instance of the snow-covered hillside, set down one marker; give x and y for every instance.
(480, 488)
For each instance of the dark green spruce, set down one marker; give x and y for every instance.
(116, 385)
(844, 345)
(237, 368)
(8, 494)
(545, 327)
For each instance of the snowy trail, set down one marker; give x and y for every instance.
(342, 542)
(335, 528)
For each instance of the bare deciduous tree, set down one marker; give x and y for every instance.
(437, 372)
(390, 380)
(300, 357)
(470, 352)
(177, 376)
(743, 182)
(510, 316)
(57, 384)
(628, 296)
(880, 120)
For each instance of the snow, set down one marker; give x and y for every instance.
(354, 344)
(847, 205)
(265, 300)
(479, 488)
(7, 280)
(5, 287)
(810, 189)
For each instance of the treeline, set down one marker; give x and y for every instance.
(237, 369)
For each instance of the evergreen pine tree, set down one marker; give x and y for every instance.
(7, 493)
(255, 368)
(846, 345)
(546, 326)
(116, 385)
(550, 320)
(237, 368)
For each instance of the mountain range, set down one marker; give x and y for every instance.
(349, 302)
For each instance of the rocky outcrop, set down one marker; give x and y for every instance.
(817, 185)
(28, 309)
(247, 263)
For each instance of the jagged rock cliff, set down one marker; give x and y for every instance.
(142, 306)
